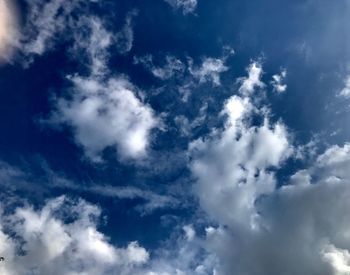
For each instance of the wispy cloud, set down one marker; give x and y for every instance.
(278, 82)
(153, 201)
(187, 6)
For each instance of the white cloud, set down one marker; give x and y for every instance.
(153, 200)
(209, 71)
(8, 29)
(253, 81)
(49, 23)
(43, 242)
(345, 92)
(172, 66)
(187, 6)
(95, 45)
(125, 38)
(45, 20)
(338, 258)
(104, 111)
(190, 232)
(277, 82)
(107, 114)
(191, 75)
(184, 255)
(233, 165)
(186, 126)
(299, 228)
(237, 160)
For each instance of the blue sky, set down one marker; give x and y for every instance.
(174, 137)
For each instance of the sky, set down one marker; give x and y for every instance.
(174, 137)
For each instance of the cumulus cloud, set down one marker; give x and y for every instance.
(300, 228)
(43, 242)
(233, 165)
(8, 29)
(62, 237)
(187, 6)
(277, 82)
(107, 114)
(260, 228)
(104, 111)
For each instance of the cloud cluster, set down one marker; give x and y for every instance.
(299, 228)
(234, 165)
(277, 82)
(208, 70)
(62, 238)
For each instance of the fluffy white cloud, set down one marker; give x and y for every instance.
(233, 165)
(338, 258)
(277, 82)
(302, 228)
(105, 111)
(8, 29)
(187, 6)
(44, 242)
(107, 114)
(299, 228)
